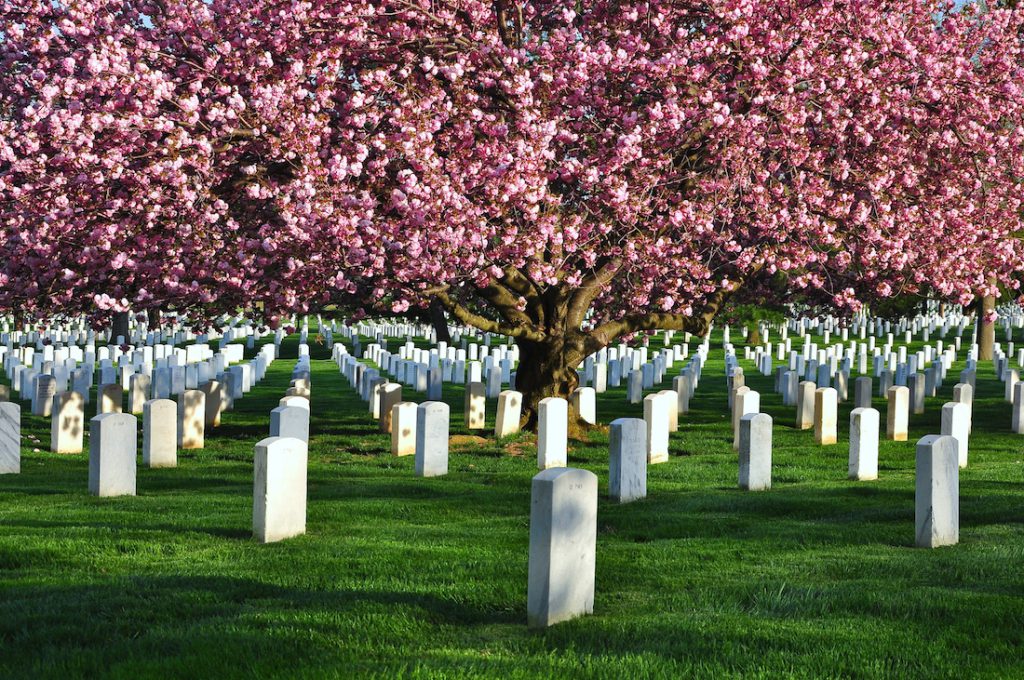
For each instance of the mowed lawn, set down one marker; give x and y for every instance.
(406, 577)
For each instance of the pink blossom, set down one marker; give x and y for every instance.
(313, 155)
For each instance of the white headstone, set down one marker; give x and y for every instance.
(475, 406)
(112, 451)
(138, 392)
(656, 415)
(403, 429)
(290, 421)
(862, 392)
(215, 401)
(563, 546)
(584, 404)
(510, 408)
(42, 399)
(937, 492)
(10, 438)
(160, 433)
(745, 402)
(432, 439)
(191, 419)
(956, 420)
(110, 397)
(635, 387)
(390, 395)
(67, 423)
(755, 446)
(552, 432)
(864, 424)
(279, 489)
(805, 405)
(898, 414)
(627, 459)
(826, 415)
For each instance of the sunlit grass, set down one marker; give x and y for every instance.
(404, 576)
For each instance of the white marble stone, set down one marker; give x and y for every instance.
(916, 392)
(509, 413)
(552, 432)
(937, 492)
(493, 388)
(160, 433)
(826, 415)
(403, 429)
(671, 398)
(279, 489)
(10, 438)
(192, 419)
(112, 451)
(390, 395)
(432, 439)
(635, 387)
(627, 459)
(805, 405)
(563, 546)
(475, 406)
(110, 398)
(374, 387)
(67, 423)
(138, 392)
(656, 416)
(215, 402)
(963, 393)
(584, 404)
(682, 388)
(42, 397)
(897, 415)
(956, 420)
(300, 402)
(862, 392)
(864, 426)
(755, 449)
(600, 378)
(290, 421)
(1017, 409)
(745, 402)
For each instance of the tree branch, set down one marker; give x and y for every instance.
(464, 315)
(590, 289)
(606, 333)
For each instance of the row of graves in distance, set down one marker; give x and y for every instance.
(812, 378)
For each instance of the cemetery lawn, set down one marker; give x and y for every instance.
(406, 577)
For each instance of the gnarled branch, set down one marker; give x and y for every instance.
(464, 315)
(606, 333)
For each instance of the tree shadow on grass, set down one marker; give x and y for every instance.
(230, 533)
(800, 515)
(138, 620)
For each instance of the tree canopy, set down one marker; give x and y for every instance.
(560, 172)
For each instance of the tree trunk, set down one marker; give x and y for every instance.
(119, 326)
(986, 329)
(754, 335)
(546, 369)
(440, 322)
(549, 333)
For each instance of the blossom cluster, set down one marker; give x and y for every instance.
(211, 155)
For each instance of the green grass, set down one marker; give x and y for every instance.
(405, 577)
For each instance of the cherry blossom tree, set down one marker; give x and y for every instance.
(564, 173)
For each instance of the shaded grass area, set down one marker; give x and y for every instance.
(400, 576)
